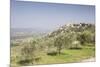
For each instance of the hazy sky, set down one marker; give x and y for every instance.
(47, 15)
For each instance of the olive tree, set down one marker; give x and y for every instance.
(27, 53)
(86, 37)
(59, 42)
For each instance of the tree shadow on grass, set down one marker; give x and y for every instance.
(25, 62)
(75, 48)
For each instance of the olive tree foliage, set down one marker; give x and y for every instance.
(86, 37)
(50, 48)
(69, 38)
(28, 53)
(59, 43)
(66, 41)
(62, 40)
(75, 45)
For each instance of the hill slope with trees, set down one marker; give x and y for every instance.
(70, 43)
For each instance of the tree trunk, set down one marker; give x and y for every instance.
(59, 50)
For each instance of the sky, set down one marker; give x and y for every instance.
(48, 15)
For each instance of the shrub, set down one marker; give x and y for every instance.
(37, 59)
(75, 45)
(53, 53)
(25, 61)
(28, 53)
(86, 37)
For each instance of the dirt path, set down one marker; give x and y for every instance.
(89, 60)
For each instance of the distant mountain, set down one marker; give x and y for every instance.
(20, 33)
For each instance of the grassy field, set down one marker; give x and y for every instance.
(67, 56)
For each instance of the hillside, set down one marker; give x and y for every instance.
(79, 27)
(68, 43)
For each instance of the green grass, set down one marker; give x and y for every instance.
(67, 56)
